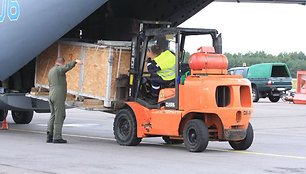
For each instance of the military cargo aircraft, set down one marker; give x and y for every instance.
(28, 27)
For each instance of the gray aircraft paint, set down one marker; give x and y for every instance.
(39, 24)
(42, 22)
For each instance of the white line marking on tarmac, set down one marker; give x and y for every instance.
(262, 154)
(69, 135)
(71, 125)
(213, 149)
(280, 134)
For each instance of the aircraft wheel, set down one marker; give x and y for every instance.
(22, 117)
(196, 136)
(246, 142)
(3, 114)
(125, 128)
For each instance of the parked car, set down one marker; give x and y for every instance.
(268, 79)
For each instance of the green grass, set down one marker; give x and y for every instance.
(294, 83)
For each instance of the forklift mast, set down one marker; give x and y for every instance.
(137, 52)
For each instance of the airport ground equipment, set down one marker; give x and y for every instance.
(204, 104)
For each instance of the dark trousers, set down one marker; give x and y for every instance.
(157, 83)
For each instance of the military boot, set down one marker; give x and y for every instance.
(49, 137)
(59, 141)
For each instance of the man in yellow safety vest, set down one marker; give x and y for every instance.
(161, 66)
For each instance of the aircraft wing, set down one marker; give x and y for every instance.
(267, 1)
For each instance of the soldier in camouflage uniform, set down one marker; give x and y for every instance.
(57, 97)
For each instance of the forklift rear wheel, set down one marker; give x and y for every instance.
(22, 117)
(168, 140)
(246, 142)
(3, 114)
(274, 98)
(125, 128)
(196, 136)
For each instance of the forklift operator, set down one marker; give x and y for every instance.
(161, 66)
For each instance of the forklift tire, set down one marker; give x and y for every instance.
(168, 140)
(246, 142)
(255, 95)
(22, 117)
(3, 114)
(274, 98)
(196, 136)
(125, 128)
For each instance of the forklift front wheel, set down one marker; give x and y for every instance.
(125, 128)
(246, 142)
(196, 136)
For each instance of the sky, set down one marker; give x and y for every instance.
(250, 27)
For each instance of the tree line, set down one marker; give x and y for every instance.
(295, 60)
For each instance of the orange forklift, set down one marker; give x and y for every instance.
(203, 104)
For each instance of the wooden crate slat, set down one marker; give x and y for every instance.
(94, 70)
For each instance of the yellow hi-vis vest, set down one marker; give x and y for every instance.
(166, 62)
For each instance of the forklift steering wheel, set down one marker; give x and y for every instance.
(145, 87)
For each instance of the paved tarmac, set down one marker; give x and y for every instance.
(279, 147)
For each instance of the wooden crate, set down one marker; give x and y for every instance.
(96, 78)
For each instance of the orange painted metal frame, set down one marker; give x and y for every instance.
(197, 99)
(300, 96)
